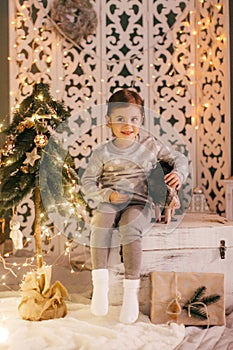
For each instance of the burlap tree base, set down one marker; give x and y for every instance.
(39, 300)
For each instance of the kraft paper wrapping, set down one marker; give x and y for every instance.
(171, 291)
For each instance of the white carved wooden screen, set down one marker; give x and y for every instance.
(213, 107)
(153, 46)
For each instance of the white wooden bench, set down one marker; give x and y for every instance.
(200, 243)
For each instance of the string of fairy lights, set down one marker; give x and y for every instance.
(188, 28)
(14, 268)
(73, 206)
(39, 48)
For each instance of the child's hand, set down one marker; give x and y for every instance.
(116, 197)
(173, 180)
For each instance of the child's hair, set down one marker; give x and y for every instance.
(123, 98)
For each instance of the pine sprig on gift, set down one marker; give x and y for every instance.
(196, 311)
(197, 294)
(196, 304)
(210, 299)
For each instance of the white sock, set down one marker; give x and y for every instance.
(130, 306)
(99, 302)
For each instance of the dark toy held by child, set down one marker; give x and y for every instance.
(165, 198)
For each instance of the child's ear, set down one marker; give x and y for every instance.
(108, 120)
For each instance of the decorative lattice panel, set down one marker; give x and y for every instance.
(173, 61)
(213, 101)
(152, 46)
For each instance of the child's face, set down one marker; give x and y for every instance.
(125, 122)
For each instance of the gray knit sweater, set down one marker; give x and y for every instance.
(126, 170)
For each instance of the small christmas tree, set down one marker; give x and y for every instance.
(29, 141)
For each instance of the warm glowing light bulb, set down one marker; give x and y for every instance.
(40, 97)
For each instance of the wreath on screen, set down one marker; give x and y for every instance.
(77, 19)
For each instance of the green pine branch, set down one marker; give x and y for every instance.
(210, 299)
(198, 294)
(198, 310)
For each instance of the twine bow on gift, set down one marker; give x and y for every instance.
(174, 307)
(194, 306)
(199, 303)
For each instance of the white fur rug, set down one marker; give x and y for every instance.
(81, 330)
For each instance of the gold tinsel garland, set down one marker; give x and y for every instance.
(75, 18)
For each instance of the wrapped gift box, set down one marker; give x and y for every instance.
(172, 294)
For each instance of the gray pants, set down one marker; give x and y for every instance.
(132, 221)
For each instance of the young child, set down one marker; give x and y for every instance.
(116, 178)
